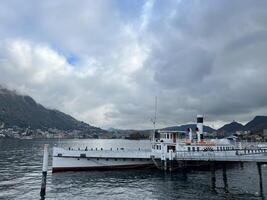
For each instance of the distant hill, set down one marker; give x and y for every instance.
(129, 132)
(257, 124)
(231, 127)
(186, 126)
(23, 111)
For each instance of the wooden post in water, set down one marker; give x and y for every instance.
(260, 178)
(241, 165)
(225, 177)
(165, 164)
(184, 172)
(44, 172)
(213, 177)
(170, 160)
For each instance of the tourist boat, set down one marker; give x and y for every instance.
(99, 159)
(165, 145)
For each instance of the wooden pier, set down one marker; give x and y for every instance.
(213, 159)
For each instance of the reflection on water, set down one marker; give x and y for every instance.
(21, 165)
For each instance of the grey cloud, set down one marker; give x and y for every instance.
(196, 56)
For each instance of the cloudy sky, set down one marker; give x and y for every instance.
(104, 62)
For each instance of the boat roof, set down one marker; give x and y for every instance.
(167, 131)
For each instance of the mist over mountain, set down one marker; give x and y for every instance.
(23, 111)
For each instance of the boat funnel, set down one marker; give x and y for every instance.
(199, 128)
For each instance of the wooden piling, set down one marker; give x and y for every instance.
(184, 172)
(225, 177)
(241, 165)
(165, 164)
(213, 176)
(44, 172)
(260, 178)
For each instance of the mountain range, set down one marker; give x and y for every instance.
(257, 124)
(186, 126)
(23, 111)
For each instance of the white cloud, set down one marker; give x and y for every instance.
(103, 63)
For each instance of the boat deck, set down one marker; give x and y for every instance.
(116, 153)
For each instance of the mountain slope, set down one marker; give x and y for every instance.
(186, 126)
(257, 124)
(231, 127)
(23, 111)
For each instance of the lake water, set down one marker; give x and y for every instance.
(21, 165)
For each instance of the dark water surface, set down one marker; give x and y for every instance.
(21, 165)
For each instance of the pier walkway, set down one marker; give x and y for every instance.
(233, 156)
(242, 155)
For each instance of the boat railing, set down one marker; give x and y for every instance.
(105, 153)
(222, 155)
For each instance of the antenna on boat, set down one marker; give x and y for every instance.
(155, 118)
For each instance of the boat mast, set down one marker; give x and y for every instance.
(155, 118)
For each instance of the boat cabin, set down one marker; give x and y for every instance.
(166, 140)
(170, 136)
(179, 141)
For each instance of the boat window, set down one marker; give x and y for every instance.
(221, 148)
(59, 155)
(193, 148)
(97, 158)
(83, 155)
(115, 159)
(106, 159)
(159, 147)
(197, 148)
(167, 136)
(123, 159)
(132, 159)
(188, 148)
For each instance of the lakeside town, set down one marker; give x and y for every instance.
(53, 133)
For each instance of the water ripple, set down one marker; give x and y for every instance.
(21, 163)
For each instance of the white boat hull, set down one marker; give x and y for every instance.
(64, 160)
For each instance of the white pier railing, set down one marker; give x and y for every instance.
(233, 156)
